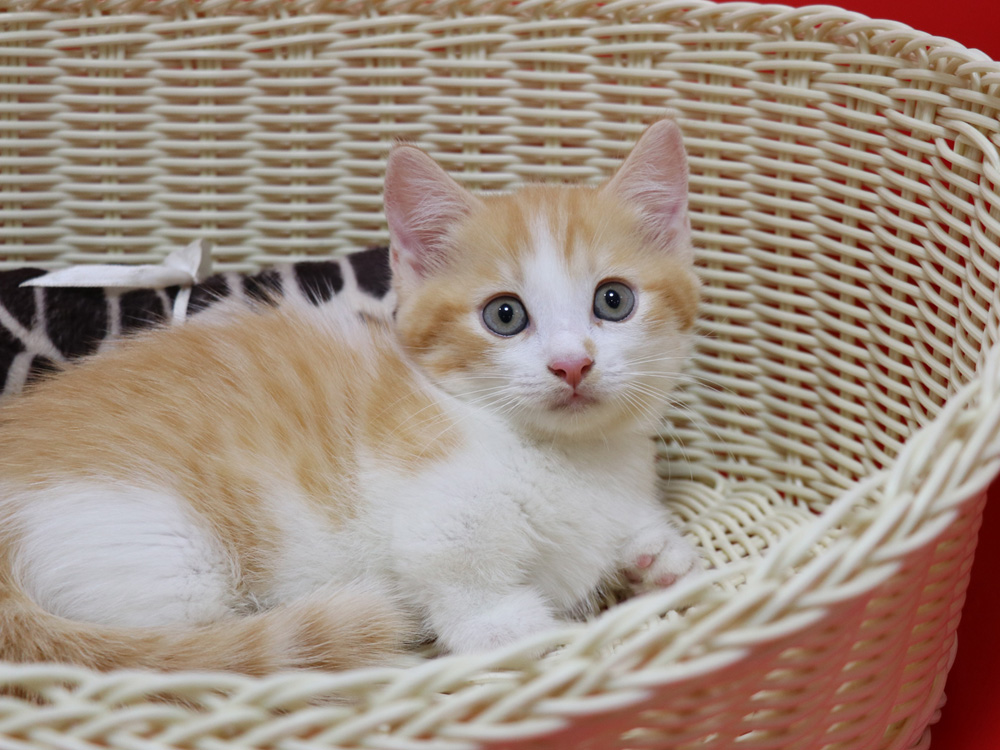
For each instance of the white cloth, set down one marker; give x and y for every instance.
(182, 268)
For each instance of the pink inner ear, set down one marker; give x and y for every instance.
(654, 178)
(422, 206)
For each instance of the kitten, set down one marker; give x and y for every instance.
(281, 489)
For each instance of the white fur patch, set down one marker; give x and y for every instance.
(314, 553)
(119, 556)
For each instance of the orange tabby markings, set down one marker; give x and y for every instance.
(343, 630)
(402, 421)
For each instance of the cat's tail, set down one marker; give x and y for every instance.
(331, 631)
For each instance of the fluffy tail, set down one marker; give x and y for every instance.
(342, 630)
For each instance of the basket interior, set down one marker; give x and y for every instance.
(844, 210)
(843, 196)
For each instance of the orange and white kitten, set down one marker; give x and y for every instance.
(282, 489)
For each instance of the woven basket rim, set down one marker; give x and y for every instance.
(893, 37)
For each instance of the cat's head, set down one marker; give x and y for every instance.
(568, 309)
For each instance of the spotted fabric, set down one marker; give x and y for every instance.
(42, 328)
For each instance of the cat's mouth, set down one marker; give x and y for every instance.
(572, 402)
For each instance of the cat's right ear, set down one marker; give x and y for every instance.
(422, 206)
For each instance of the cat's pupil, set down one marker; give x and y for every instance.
(506, 313)
(613, 298)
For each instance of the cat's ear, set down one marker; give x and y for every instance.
(422, 205)
(654, 179)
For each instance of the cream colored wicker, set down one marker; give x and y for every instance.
(843, 412)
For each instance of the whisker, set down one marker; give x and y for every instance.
(696, 419)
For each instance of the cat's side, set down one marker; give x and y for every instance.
(285, 488)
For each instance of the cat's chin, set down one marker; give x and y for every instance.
(578, 417)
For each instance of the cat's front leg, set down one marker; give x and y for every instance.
(657, 555)
(472, 621)
(463, 559)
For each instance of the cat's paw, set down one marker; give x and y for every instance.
(658, 557)
(516, 617)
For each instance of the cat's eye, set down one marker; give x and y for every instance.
(505, 316)
(613, 301)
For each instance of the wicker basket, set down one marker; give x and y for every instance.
(843, 414)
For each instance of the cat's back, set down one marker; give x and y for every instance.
(280, 392)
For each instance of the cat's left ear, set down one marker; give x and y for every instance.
(422, 206)
(654, 179)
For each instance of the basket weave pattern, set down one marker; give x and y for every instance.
(842, 415)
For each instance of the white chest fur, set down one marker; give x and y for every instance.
(495, 513)
(501, 517)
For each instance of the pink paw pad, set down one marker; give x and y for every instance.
(658, 558)
(642, 563)
(668, 579)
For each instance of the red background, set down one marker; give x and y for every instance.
(971, 718)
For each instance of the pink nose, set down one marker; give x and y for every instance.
(571, 369)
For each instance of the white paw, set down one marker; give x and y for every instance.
(658, 557)
(516, 617)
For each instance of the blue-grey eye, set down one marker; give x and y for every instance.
(613, 301)
(505, 316)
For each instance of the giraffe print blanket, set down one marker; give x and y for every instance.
(44, 328)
